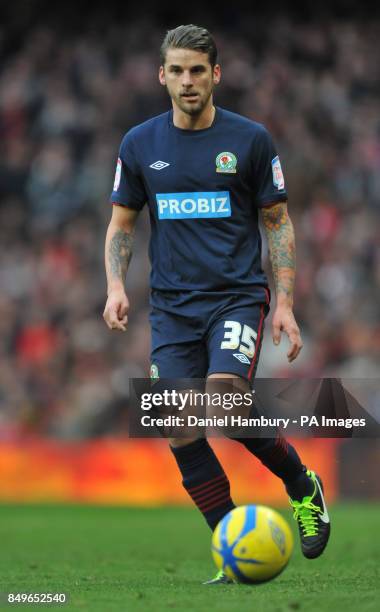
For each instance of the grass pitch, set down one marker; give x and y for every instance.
(123, 559)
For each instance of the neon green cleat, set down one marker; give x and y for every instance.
(313, 520)
(220, 578)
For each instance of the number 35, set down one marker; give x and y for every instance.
(235, 338)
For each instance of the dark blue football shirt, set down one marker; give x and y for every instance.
(203, 188)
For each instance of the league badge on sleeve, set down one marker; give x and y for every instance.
(278, 177)
(117, 175)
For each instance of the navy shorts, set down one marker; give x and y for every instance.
(207, 334)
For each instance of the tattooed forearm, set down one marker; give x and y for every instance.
(282, 251)
(120, 253)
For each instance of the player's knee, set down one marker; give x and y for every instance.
(179, 442)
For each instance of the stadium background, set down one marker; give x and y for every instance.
(72, 81)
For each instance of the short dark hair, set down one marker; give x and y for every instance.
(189, 37)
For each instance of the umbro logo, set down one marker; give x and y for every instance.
(159, 165)
(242, 358)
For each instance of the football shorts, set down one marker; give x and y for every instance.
(218, 333)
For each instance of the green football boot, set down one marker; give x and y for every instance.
(313, 520)
(220, 578)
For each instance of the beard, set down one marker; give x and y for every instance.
(191, 108)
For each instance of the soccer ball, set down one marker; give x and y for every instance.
(252, 544)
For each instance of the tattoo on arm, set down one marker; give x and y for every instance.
(120, 253)
(282, 251)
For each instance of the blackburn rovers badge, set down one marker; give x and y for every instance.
(226, 163)
(154, 372)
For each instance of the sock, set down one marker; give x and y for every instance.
(204, 479)
(282, 459)
(300, 486)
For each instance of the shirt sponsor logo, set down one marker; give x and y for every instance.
(278, 177)
(193, 205)
(116, 183)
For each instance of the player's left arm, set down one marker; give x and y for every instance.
(282, 252)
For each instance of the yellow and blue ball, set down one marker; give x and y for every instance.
(252, 544)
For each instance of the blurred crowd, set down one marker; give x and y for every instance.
(65, 104)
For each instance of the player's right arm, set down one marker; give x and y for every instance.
(118, 253)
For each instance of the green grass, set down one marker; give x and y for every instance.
(123, 559)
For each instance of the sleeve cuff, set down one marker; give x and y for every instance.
(274, 199)
(129, 205)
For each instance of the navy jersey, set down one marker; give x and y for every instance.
(203, 188)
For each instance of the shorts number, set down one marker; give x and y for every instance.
(234, 336)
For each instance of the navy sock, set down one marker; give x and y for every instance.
(300, 486)
(204, 479)
(282, 459)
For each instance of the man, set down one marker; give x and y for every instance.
(206, 173)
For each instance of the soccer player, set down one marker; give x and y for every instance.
(206, 175)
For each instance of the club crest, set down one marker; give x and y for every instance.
(154, 372)
(226, 163)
